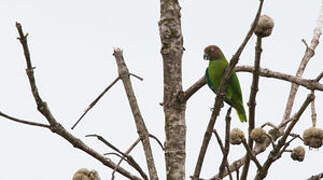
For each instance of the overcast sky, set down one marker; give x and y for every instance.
(71, 44)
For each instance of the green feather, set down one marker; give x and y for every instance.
(213, 76)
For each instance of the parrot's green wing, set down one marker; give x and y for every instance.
(208, 81)
(233, 88)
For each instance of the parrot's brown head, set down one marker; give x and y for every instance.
(212, 53)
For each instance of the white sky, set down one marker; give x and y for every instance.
(71, 47)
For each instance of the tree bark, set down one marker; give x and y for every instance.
(174, 106)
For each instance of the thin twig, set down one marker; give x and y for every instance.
(105, 142)
(271, 140)
(56, 127)
(220, 96)
(140, 124)
(218, 138)
(283, 149)
(251, 153)
(24, 121)
(136, 76)
(237, 172)
(131, 162)
(319, 77)
(122, 155)
(158, 141)
(126, 155)
(269, 124)
(316, 177)
(313, 111)
(226, 144)
(296, 136)
(95, 101)
(113, 153)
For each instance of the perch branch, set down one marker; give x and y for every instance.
(141, 127)
(263, 72)
(220, 96)
(56, 127)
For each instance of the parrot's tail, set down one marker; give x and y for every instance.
(241, 113)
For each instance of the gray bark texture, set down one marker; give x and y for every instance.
(174, 105)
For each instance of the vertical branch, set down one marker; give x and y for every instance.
(174, 106)
(313, 111)
(309, 53)
(226, 144)
(140, 124)
(252, 103)
(220, 95)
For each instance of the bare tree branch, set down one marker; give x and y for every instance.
(131, 162)
(263, 72)
(316, 177)
(308, 83)
(95, 101)
(309, 53)
(252, 103)
(220, 95)
(313, 111)
(24, 121)
(274, 154)
(56, 127)
(170, 32)
(126, 155)
(251, 154)
(259, 148)
(223, 151)
(158, 141)
(226, 145)
(106, 143)
(140, 124)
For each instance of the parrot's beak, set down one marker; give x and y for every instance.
(205, 57)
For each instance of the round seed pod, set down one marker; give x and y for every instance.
(264, 26)
(298, 154)
(275, 134)
(258, 135)
(236, 136)
(85, 174)
(313, 137)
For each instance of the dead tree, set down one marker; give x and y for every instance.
(174, 105)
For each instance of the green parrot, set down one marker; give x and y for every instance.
(214, 74)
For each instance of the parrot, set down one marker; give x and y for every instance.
(213, 75)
